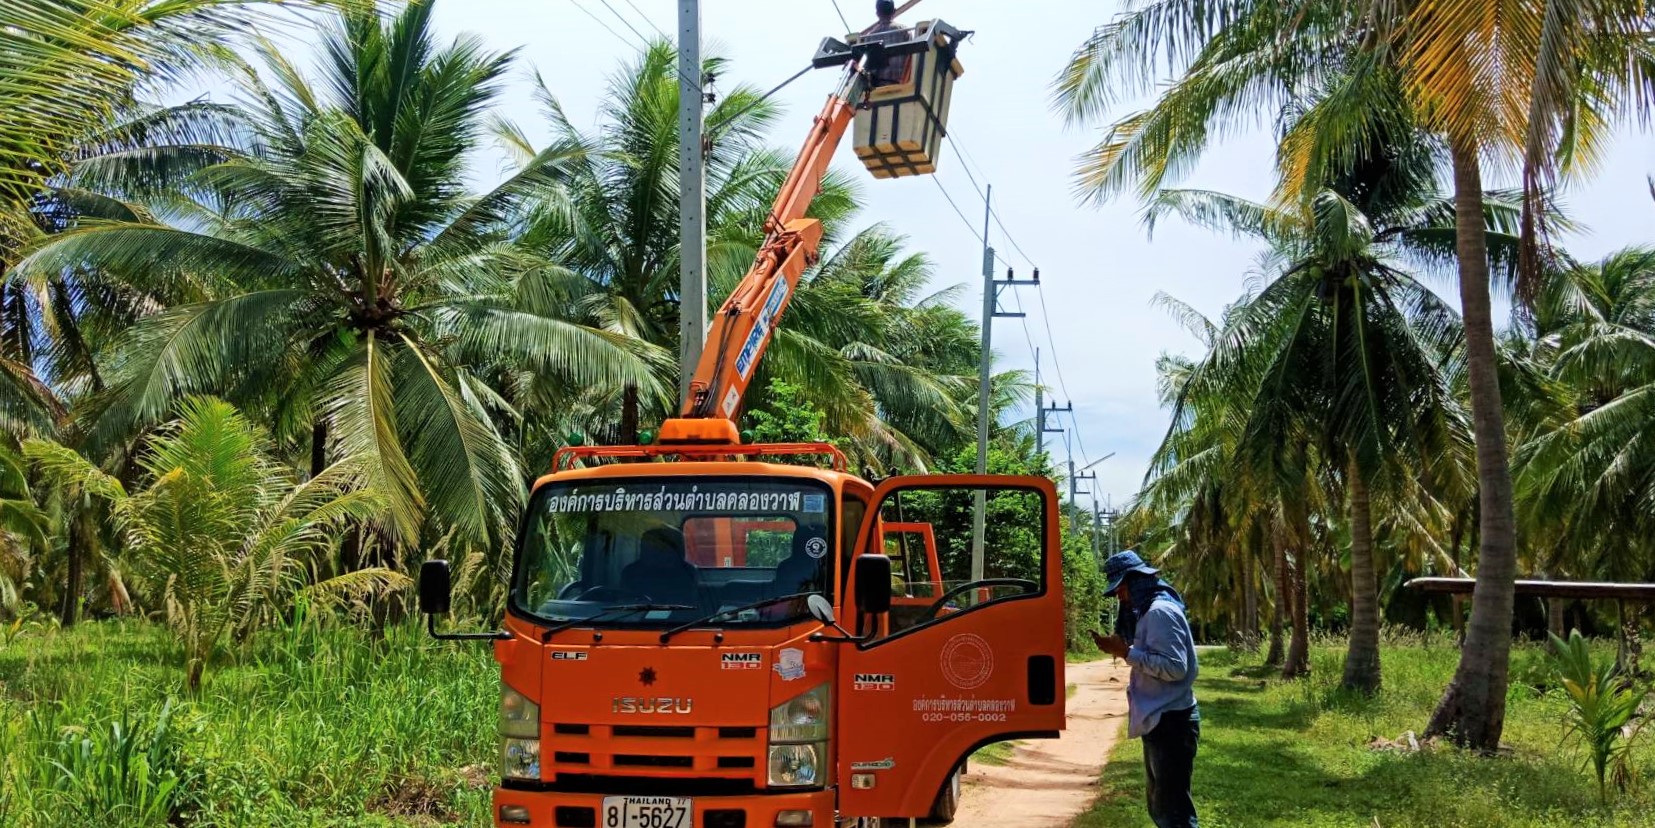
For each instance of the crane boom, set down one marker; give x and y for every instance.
(744, 325)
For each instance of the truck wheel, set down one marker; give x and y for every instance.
(948, 800)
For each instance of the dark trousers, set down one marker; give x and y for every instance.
(1169, 757)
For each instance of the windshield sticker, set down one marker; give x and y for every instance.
(741, 661)
(874, 681)
(957, 711)
(816, 548)
(815, 503)
(623, 499)
(967, 661)
(884, 764)
(791, 665)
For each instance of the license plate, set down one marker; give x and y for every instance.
(646, 812)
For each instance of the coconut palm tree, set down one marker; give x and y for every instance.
(1586, 469)
(615, 224)
(69, 66)
(890, 364)
(340, 282)
(221, 536)
(1553, 80)
(1342, 347)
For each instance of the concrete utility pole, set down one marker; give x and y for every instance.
(1054, 408)
(692, 197)
(1039, 409)
(984, 363)
(991, 309)
(1075, 479)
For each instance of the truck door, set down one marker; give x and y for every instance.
(982, 663)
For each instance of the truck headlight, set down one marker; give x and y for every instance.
(520, 758)
(519, 717)
(803, 718)
(796, 766)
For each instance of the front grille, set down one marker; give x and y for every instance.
(632, 760)
(654, 732)
(611, 784)
(657, 751)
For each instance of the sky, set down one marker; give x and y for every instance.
(1093, 316)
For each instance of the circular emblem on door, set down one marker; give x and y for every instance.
(967, 661)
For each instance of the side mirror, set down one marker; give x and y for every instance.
(821, 610)
(873, 584)
(435, 587)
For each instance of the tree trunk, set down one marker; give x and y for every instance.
(1284, 603)
(1298, 648)
(75, 550)
(1456, 602)
(318, 447)
(1362, 657)
(1472, 711)
(1248, 628)
(1629, 655)
(629, 415)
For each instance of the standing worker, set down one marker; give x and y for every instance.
(1160, 695)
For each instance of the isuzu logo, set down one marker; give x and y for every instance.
(664, 705)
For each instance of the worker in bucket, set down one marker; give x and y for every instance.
(1153, 635)
(892, 70)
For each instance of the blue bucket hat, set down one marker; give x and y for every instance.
(1122, 563)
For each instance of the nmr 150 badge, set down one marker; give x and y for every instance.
(741, 661)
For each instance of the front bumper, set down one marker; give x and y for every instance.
(551, 809)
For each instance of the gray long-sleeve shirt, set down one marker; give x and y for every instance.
(1163, 663)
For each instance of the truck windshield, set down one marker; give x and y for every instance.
(685, 548)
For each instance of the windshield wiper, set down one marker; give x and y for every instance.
(760, 604)
(609, 613)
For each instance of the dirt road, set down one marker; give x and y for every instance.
(1047, 783)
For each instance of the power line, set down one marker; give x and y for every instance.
(643, 41)
(627, 23)
(1045, 315)
(599, 21)
(1056, 363)
(966, 163)
(957, 211)
(842, 20)
(658, 30)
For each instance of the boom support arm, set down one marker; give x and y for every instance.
(744, 326)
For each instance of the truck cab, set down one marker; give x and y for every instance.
(707, 634)
(717, 642)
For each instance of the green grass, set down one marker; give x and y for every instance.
(310, 728)
(996, 754)
(1296, 754)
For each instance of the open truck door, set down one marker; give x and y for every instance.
(982, 663)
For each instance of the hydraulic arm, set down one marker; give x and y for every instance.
(743, 327)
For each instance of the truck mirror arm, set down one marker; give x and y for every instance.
(431, 628)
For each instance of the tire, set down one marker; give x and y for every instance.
(948, 800)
